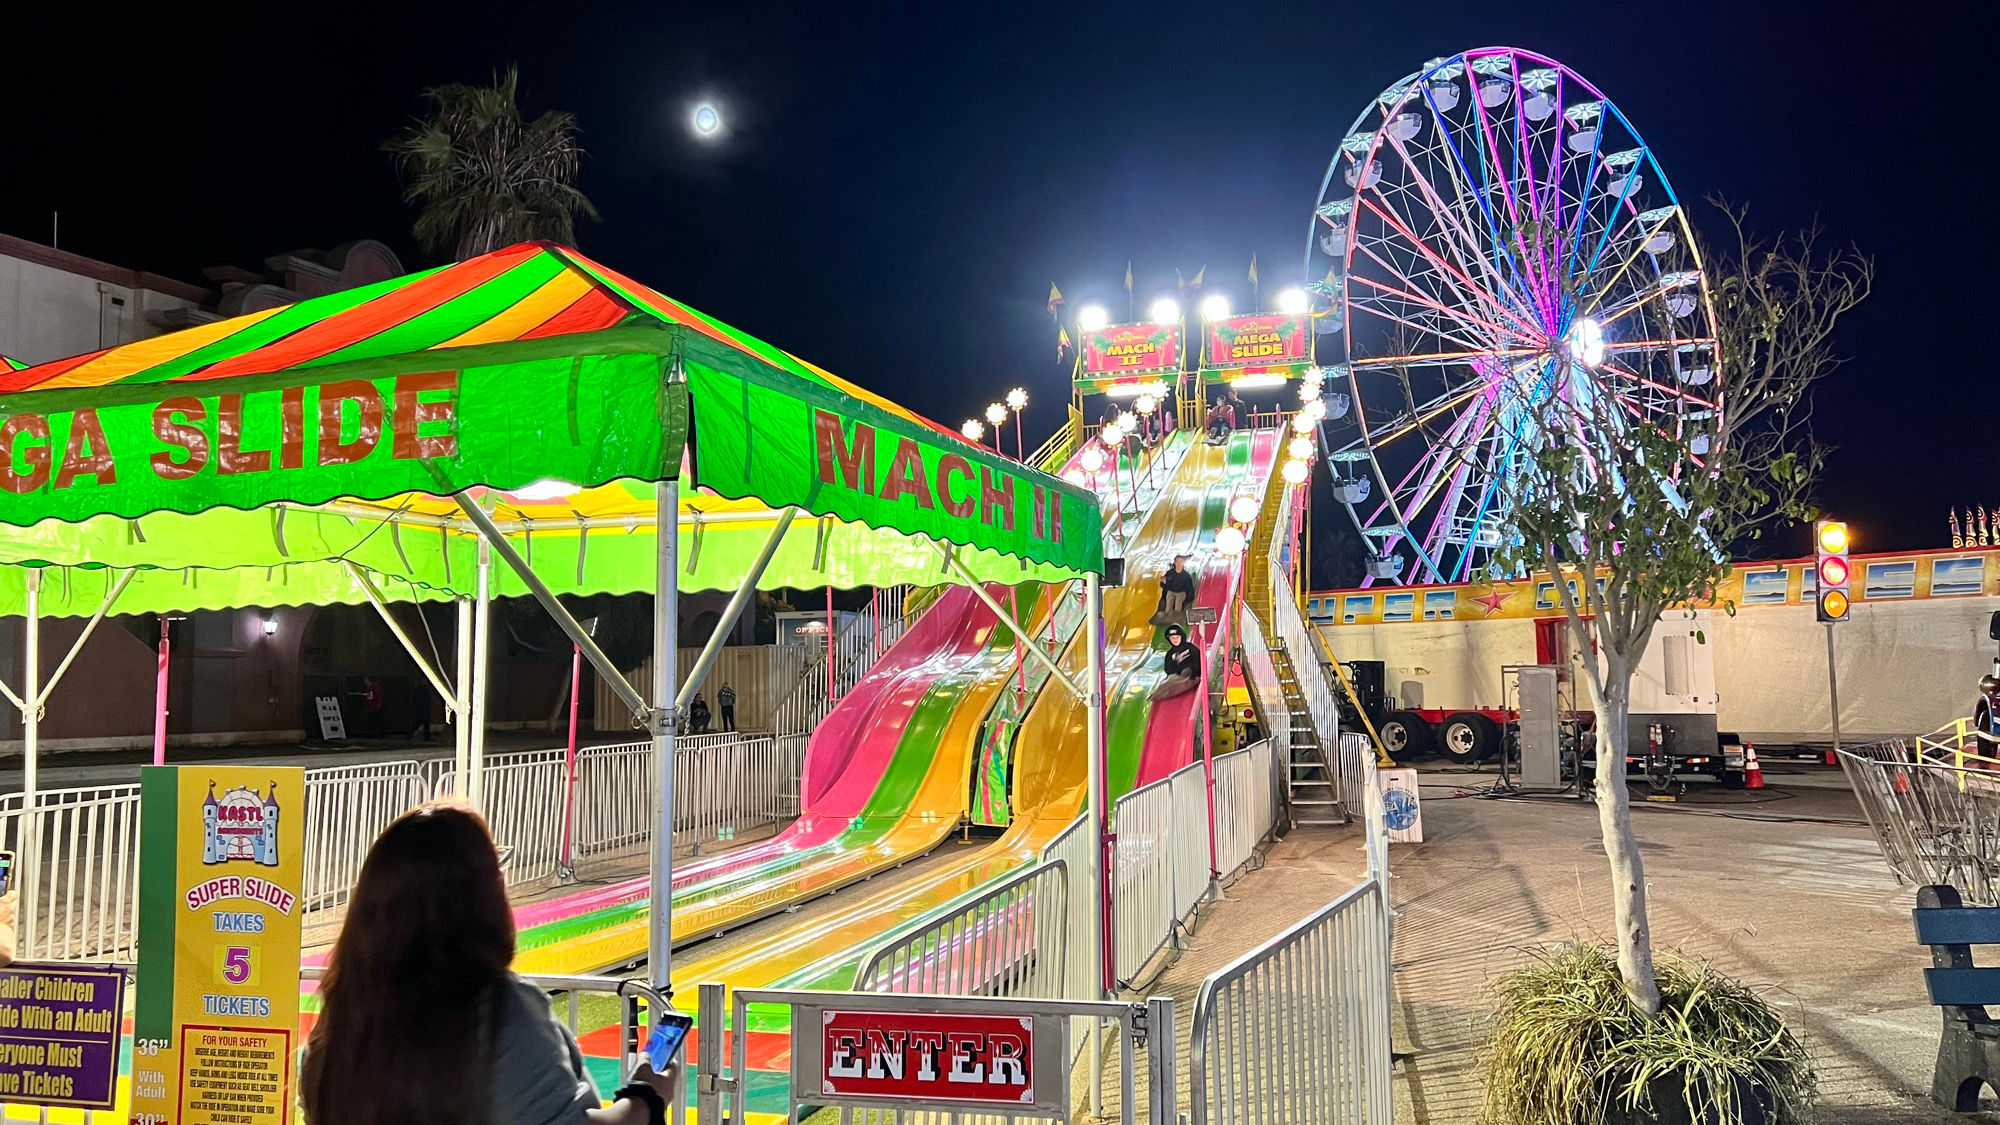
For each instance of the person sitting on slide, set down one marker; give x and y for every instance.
(1176, 592)
(1221, 420)
(1183, 665)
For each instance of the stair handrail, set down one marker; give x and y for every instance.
(1061, 444)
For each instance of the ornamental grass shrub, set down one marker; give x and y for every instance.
(1568, 1048)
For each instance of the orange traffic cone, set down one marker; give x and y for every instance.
(1753, 774)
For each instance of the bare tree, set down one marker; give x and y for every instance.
(1633, 517)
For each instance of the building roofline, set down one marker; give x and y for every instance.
(99, 271)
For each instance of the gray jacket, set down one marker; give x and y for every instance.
(539, 1077)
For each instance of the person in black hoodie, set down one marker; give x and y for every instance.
(1182, 663)
(1176, 592)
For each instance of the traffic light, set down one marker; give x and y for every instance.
(1831, 569)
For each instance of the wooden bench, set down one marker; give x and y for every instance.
(1969, 1052)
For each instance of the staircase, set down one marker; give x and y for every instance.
(1314, 787)
(1315, 791)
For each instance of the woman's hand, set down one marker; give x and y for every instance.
(660, 1080)
(9, 904)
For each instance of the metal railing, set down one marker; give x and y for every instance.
(1314, 677)
(1247, 800)
(1160, 866)
(88, 904)
(1297, 1032)
(1010, 939)
(87, 896)
(1162, 871)
(88, 893)
(1052, 454)
(720, 791)
(346, 808)
(1936, 823)
(856, 647)
(722, 1055)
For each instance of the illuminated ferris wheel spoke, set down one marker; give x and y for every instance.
(1447, 217)
(1630, 258)
(1526, 273)
(1446, 359)
(1464, 318)
(1423, 250)
(1460, 174)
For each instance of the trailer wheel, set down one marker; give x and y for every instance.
(1468, 737)
(1405, 734)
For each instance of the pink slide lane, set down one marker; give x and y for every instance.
(844, 761)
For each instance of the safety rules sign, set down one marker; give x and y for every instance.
(216, 1023)
(964, 1061)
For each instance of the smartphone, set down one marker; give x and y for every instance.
(665, 1043)
(6, 872)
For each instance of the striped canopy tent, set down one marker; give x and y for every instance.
(249, 462)
(383, 443)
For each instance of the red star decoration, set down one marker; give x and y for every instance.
(1493, 600)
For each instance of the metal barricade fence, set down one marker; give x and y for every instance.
(346, 808)
(1162, 871)
(1006, 940)
(1355, 766)
(1143, 907)
(722, 1058)
(87, 888)
(1246, 809)
(1935, 823)
(1297, 1032)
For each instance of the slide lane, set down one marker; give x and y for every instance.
(1165, 745)
(892, 787)
(1050, 775)
(885, 779)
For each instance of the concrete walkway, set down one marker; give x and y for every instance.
(1301, 873)
(1807, 909)
(1779, 889)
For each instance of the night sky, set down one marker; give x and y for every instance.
(900, 186)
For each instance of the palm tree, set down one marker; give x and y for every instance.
(483, 177)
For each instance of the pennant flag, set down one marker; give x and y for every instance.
(1128, 277)
(1055, 298)
(1253, 268)
(1062, 341)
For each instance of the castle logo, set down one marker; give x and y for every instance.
(241, 826)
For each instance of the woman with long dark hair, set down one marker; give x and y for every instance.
(421, 1022)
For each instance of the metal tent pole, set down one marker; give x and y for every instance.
(461, 704)
(491, 536)
(374, 595)
(160, 693)
(1098, 865)
(566, 866)
(31, 736)
(482, 655)
(1008, 619)
(665, 722)
(1100, 930)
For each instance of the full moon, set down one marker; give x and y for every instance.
(706, 120)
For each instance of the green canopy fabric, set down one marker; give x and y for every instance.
(238, 463)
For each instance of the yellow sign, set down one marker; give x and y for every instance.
(1917, 575)
(216, 1024)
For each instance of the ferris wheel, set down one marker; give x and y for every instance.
(1494, 237)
